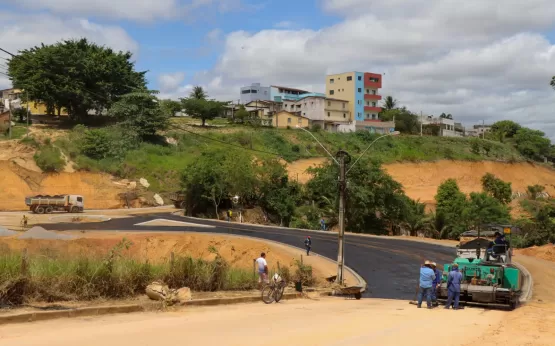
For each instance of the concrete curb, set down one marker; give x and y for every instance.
(528, 284)
(130, 308)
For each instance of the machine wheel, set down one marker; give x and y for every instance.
(48, 210)
(358, 296)
(39, 210)
(513, 305)
(74, 210)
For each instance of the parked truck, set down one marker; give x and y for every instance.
(45, 204)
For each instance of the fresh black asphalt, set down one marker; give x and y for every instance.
(389, 266)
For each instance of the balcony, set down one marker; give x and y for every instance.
(372, 80)
(372, 109)
(372, 97)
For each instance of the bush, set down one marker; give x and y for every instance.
(295, 148)
(111, 142)
(30, 141)
(49, 159)
(316, 128)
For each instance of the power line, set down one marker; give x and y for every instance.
(5, 51)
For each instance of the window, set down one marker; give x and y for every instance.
(359, 90)
(359, 114)
(359, 78)
(373, 92)
(329, 114)
(373, 104)
(245, 92)
(300, 121)
(359, 102)
(79, 199)
(331, 92)
(349, 79)
(331, 81)
(254, 91)
(343, 105)
(329, 103)
(344, 115)
(368, 103)
(367, 116)
(289, 120)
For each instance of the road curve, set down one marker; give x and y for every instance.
(389, 266)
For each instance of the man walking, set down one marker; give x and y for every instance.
(262, 266)
(427, 277)
(322, 224)
(308, 245)
(435, 283)
(229, 214)
(454, 281)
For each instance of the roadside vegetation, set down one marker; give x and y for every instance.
(54, 277)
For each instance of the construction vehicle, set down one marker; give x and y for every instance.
(489, 277)
(178, 199)
(46, 204)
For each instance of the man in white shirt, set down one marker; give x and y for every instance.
(262, 269)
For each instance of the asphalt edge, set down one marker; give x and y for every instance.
(527, 281)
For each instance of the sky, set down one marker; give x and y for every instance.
(480, 60)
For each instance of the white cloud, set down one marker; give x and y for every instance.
(479, 59)
(170, 81)
(214, 36)
(284, 24)
(22, 31)
(143, 10)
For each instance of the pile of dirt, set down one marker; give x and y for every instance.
(546, 252)
(17, 182)
(38, 232)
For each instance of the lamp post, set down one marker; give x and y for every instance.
(343, 158)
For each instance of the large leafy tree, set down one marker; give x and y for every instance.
(140, 111)
(405, 121)
(482, 209)
(198, 106)
(532, 143)
(504, 129)
(170, 107)
(451, 203)
(497, 188)
(76, 75)
(390, 103)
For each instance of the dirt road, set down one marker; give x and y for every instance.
(300, 322)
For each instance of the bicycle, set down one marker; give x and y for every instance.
(274, 290)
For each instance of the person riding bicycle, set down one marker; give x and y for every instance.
(308, 245)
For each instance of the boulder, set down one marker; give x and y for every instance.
(158, 199)
(144, 182)
(183, 295)
(158, 291)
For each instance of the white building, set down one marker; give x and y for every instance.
(446, 126)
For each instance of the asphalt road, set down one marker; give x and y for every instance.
(389, 266)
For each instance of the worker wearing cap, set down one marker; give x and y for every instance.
(435, 283)
(427, 277)
(308, 245)
(454, 281)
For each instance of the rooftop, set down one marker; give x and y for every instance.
(290, 89)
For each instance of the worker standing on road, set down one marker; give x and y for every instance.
(435, 283)
(427, 277)
(308, 245)
(454, 281)
(322, 224)
(262, 270)
(229, 214)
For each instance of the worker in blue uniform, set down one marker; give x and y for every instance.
(454, 281)
(427, 277)
(435, 283)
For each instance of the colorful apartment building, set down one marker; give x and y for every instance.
(361, 90)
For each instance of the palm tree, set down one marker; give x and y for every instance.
(390, 103)
(198, 93)
(415, 218)
(436, 226)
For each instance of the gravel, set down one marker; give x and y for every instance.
(4, 232)
(38, 232)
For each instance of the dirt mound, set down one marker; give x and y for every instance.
(297, 169)
(38, 232)
(19, 153)
(546, 252)
(420, 180)
(18, 182)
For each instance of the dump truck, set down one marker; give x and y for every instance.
(46, 204)
(489, 277)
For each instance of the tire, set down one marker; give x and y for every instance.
(279, 292)
(182, 205)
(358, 296)
(74, 210)
(49, 210)
(39, 210)
(268, 294)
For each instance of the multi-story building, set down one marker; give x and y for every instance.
(330, 113)
(255, 92)
(361, 90)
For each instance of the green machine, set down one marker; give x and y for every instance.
(489, 277)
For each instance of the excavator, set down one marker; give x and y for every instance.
(484, 257)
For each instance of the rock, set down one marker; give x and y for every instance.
(132, 185)
(183, 295)
(171, 140)
(158, 291)
(158, 199)
(144, 182)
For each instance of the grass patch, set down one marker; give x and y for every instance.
(49, 159)
(18, 131)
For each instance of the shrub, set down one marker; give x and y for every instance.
(30, 141)
(111, 142)
(295, 148)
(316, 127)
(49, 159)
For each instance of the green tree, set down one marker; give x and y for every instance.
(446, 116)
(532, 143)
(405, 121)
(504, 129)
(170, 107)
(141, 112)
(497, 188)
(534, 190)
(436, 226)
(77, 75)
(202, 109)
(451, 203)
(415, 218)
(198, 93)
(242, 114)
(482, 209)
(389, 103)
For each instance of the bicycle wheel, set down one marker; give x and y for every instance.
(279, 292)
(268, 294)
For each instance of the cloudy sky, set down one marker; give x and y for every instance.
(476, 59)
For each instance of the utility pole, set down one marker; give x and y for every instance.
(28, 114)
(483, 129)
(10, 120)
(420, 123)
(343, 158)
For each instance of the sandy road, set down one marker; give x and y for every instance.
(330, 321)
